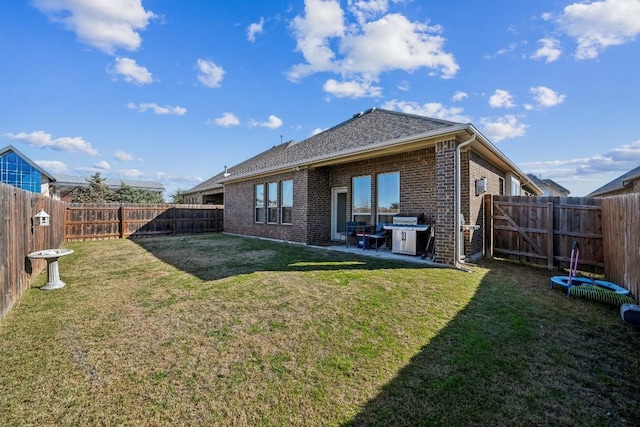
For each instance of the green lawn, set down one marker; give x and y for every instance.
(221, 330)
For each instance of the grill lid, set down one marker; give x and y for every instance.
(408, 219)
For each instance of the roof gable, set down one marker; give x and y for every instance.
(618, 183)
(374, 128)
(11, 148)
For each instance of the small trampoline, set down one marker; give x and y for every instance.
(568, 282)
(599, 290)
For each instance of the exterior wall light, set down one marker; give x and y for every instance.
(481, 186)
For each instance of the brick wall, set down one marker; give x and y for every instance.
(475, 167)
(239, 209)
(417, 180)
(445, 202)
(427, 180)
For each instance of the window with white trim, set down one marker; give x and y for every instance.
(388, 196)
(259, 203)
(272, 202)
(361, 198)
(286, 210)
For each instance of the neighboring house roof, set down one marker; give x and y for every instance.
(371, 133)
(548, 183)
(10, 148)
(81, 181)
(617, 184)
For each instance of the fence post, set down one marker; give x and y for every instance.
(488, 226)
(550, 236)
(122, 221)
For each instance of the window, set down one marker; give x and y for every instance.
(362, 198)
(272, 202)
(515, 187)
(259, 202)
(15, 171)
(501, 186)
(388, 196)
(287, 202)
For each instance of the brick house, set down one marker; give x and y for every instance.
(369, 168)
(549, 187)
(624, 184)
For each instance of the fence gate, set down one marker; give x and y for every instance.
(542, 230)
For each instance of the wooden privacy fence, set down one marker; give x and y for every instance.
(90, 221)
(19, 237)
(621, 232)
(542, 230)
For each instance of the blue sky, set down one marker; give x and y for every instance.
(172, 91)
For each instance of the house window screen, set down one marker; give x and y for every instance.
(272, 202)
(388, 196)
(287, 202)
(361, 198)
(259, 203)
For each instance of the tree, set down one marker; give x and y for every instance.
(99, 192)
(128, 194)
(96, 192)
(178, 196)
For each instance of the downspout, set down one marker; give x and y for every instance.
(457, 203)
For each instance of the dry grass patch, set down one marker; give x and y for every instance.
(222, 330)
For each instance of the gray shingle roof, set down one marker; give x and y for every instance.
(372, 129)
(617, 184)
(548, 183)
(74, 180)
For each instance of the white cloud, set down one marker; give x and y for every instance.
(131, 173)
(360, 51)
(42, 139)
(600, 24)
(433, 109)
(351, 89)
(323, 21)
(227, 120)
(52, 166)
(210, 74)
(131, 71)
(545, 97)
(104, 24)
(124, 156)
(157, 109)
(254, 29)
(102, 165)
(504, 127)
(459, 96)
(317, 131)
(274, 122)
(549, 51)
(620, 159)
(503, 51)
(501, 99)
(365, 10)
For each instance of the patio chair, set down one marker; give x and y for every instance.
(352, 230)
(379, 237)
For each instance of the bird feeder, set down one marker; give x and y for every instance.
(42, 219)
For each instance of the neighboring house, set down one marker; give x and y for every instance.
(64, 185)
(548, 186)
(18, 170)
(625, 184)
(369, 168)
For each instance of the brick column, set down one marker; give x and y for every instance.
(445, 201)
